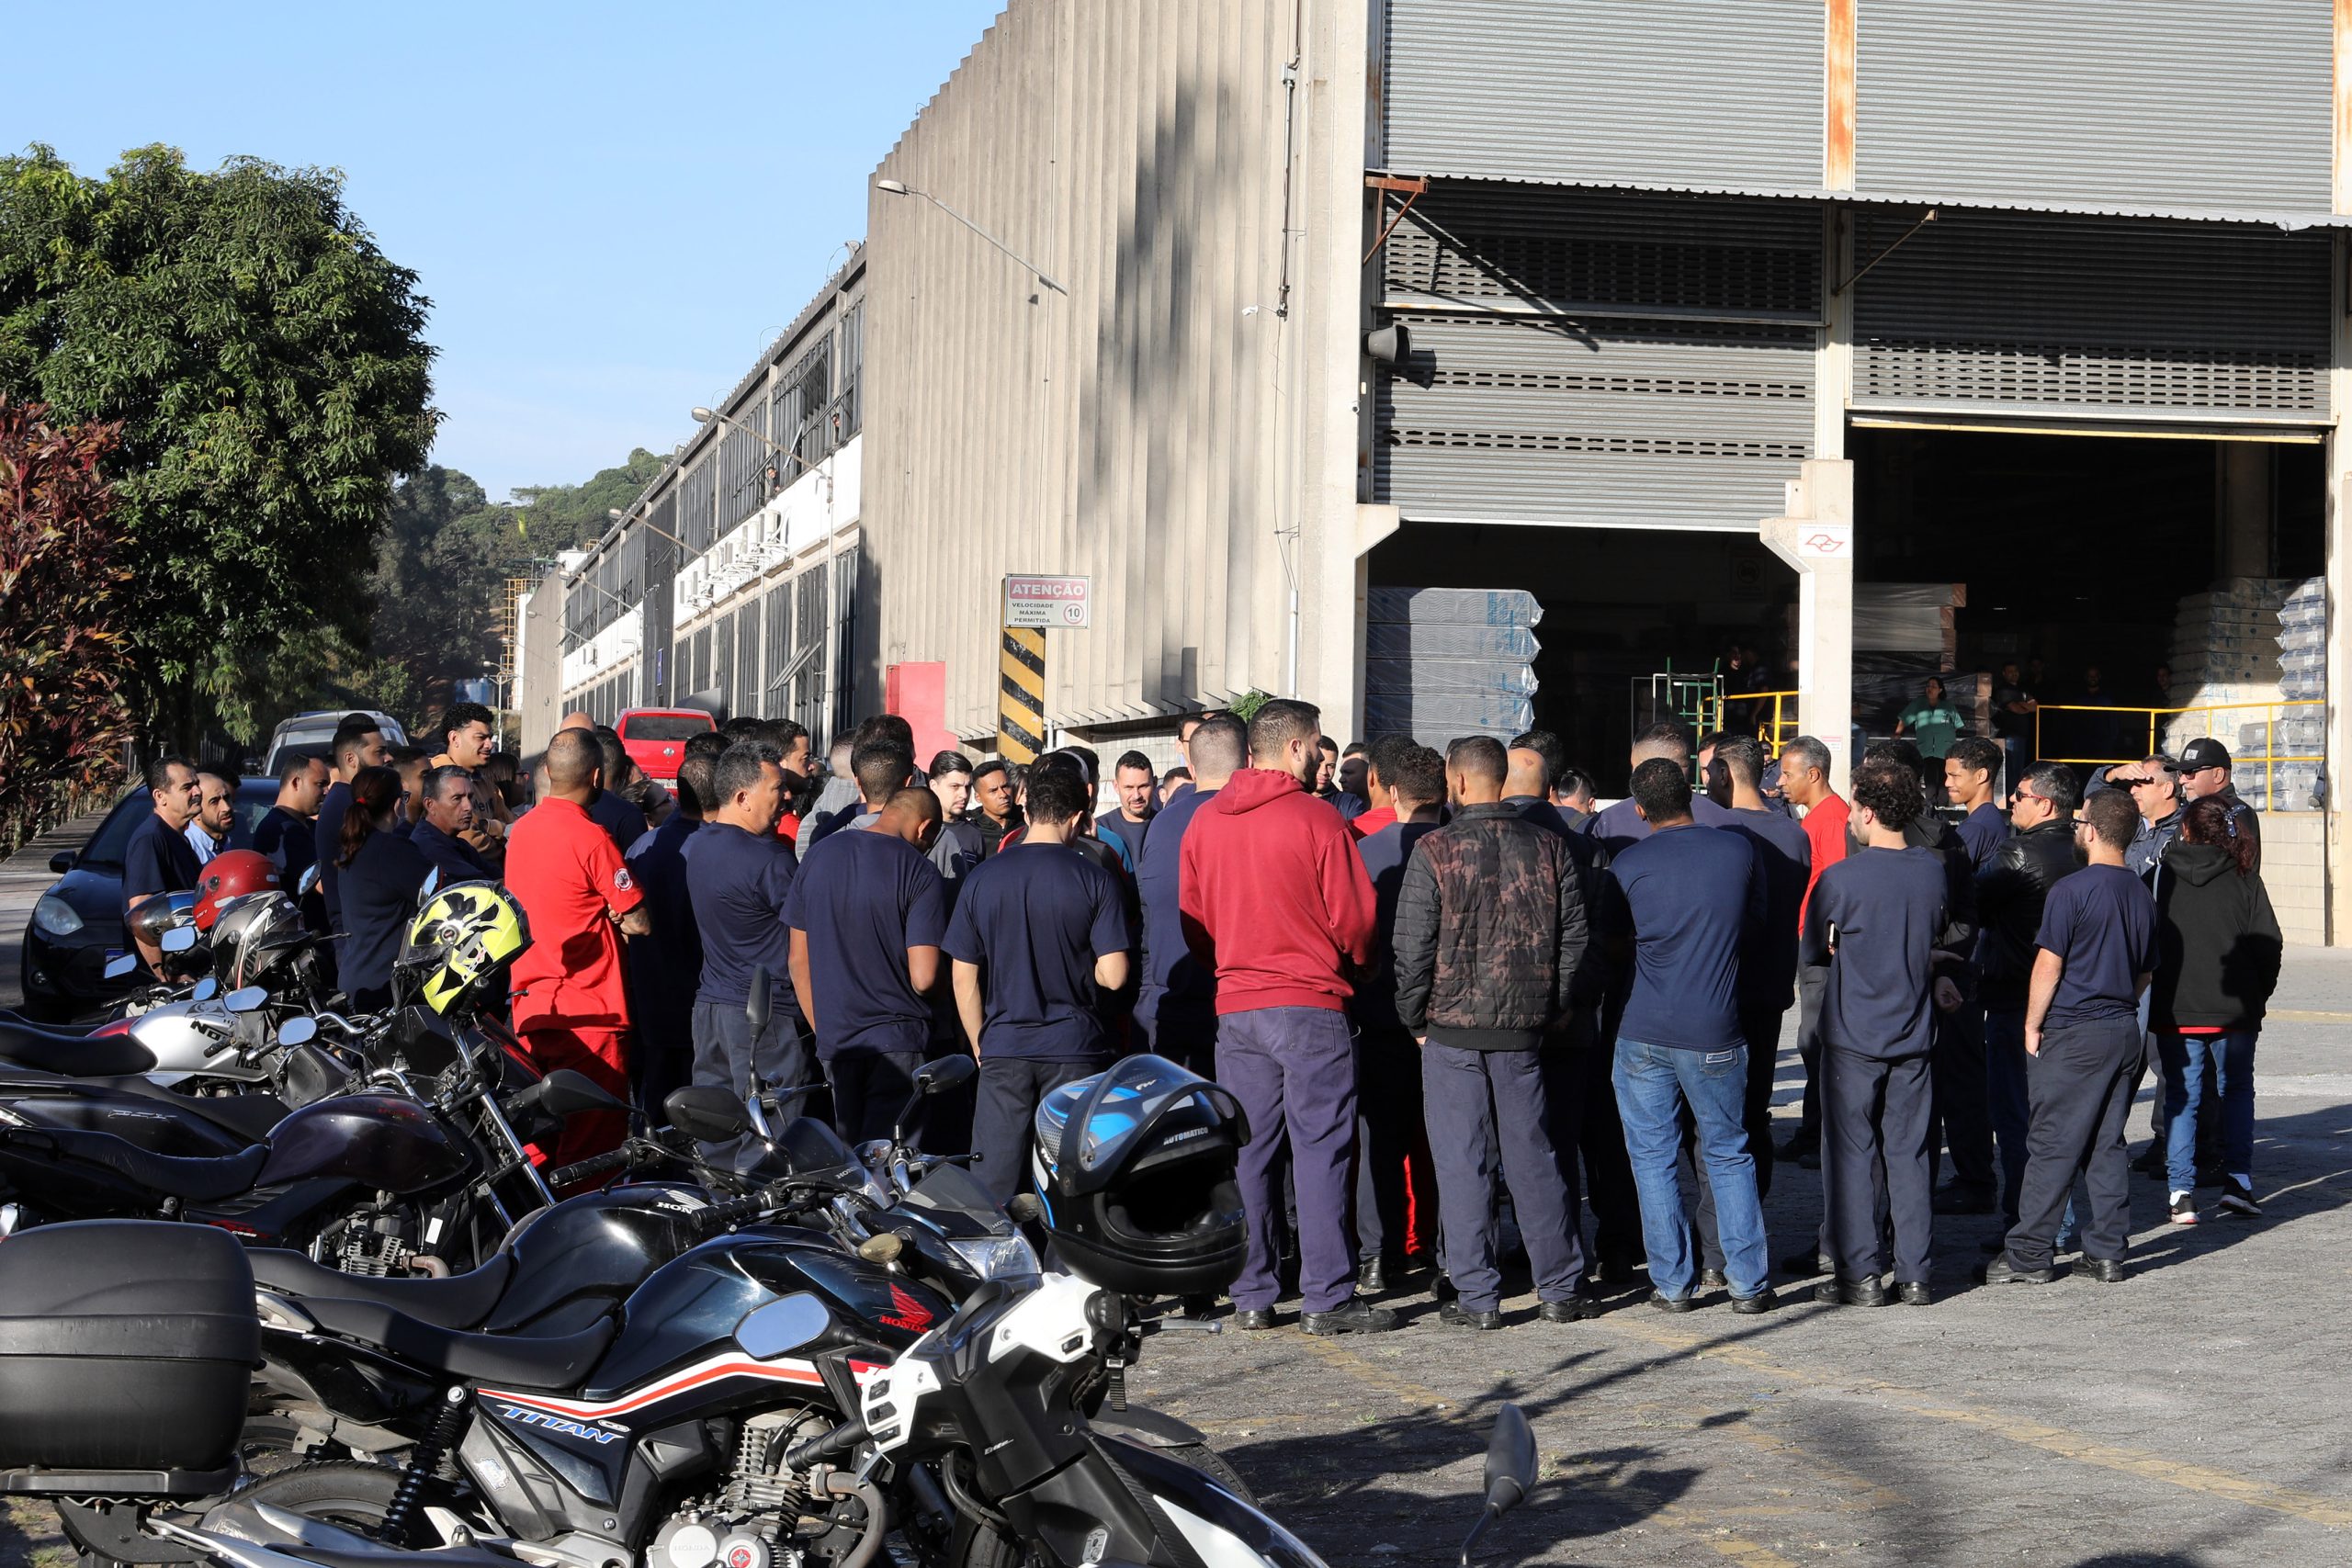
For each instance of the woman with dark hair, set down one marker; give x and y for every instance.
(2217, 963)
(381, 875)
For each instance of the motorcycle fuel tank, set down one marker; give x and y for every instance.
(377, 1140)
(573, 1261)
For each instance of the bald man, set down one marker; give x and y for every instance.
(576, 721)
(574, 888)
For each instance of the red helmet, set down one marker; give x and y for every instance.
(226, 876)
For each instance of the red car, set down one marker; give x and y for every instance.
(655, 739)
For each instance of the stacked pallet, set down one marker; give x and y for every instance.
(2229, 635)
(1444, 662)
(2296, 737)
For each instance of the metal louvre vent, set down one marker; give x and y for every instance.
(1644, 359)
(2011, 313)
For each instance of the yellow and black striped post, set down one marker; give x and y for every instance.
(1020, 695)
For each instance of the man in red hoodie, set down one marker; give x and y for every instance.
(1276, 903)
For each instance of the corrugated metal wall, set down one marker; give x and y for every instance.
(1997, 312)
(1130, 430)
(2169, 105)
(1598, 357)
(1608, 91)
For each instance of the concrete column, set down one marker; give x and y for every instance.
(2241, 521)
(1816, 540)
(2339, 624)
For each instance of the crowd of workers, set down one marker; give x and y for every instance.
(1433, 982)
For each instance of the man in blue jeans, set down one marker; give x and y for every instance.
(1683, 901)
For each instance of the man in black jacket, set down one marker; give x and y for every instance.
(2010, 895)
(1491, 929)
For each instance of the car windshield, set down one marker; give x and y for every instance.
(113, 836)
(665, 726)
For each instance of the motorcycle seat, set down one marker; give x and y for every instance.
(80, 1055)
(249, 1116)
(194, 1179)
(461, 1301)
(508, 1361)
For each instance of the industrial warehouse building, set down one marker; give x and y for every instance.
(1876, 336)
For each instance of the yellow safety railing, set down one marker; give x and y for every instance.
(1780, 726)
(2225, 731)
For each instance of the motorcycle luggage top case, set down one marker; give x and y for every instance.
(125, 1344)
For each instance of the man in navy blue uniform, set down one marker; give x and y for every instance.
(1680, 904)
(159, 859)
(2096, 949)
(358, 744)
(1176, 1005)
(1040, 936)
(665, 963)
(1972, 775)
(739, 880)
(448, 791)
(1873, 920)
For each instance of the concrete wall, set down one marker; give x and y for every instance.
(539, 664)
(2294, 870)
(1168, 421)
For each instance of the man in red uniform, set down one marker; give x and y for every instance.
(1804, 784)
(565, 871)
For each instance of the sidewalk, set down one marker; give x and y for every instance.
(24, 877)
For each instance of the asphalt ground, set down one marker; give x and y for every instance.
(2193, 1416)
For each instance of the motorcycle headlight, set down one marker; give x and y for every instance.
(1007, 1257)
(54, 916)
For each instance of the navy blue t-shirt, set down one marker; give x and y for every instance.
(1620, 827)
(286, 839)
(326, 843)
(741, 884)
(1886, 908)
(618, 815)
(1175, 984)
(863, 898)
(158, 859)
(1768, 972)
(1686, 896)
(453, 858)
(1983, 830)
(380, 888)
(2101, 921)
(1130, 834)
(1035, 917)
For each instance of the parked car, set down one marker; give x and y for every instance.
(310, 735)
(655, 739)
(77, 924)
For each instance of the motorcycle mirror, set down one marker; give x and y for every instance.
(246, 1000)
(308, 880)
(761, 1002)
(206, 989)
(1511, 1472)
(121, 965)
(706, 1113)
(298, 1032)
(179, 939)
(564, 1092)
(945, 1073)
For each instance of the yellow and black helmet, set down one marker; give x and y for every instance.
(465, 939)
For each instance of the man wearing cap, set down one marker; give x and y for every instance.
(2205, 771)
(2155, 790)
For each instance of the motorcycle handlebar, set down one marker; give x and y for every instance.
(565, 1176)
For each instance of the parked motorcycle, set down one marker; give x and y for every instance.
(763, 1400)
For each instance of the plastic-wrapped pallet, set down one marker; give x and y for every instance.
(2281, 786)
(2303, 641)
(1442, 662)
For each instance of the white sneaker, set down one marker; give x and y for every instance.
(2184, 1208)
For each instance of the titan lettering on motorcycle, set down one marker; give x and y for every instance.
(714, 1371)
(557, 1424)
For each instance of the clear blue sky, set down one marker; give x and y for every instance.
(612, 214)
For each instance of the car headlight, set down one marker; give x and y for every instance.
(54, 916)
(1007, 1257)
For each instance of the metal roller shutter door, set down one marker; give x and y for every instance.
(2155, 106)
(1607, 92)
(1598, 358)
(2027, 314)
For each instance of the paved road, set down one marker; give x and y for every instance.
(2191, 1417)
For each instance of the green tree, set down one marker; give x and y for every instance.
(266, 365)
(63, 657)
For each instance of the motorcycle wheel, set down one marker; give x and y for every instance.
(984, 1547)
(354, 1496)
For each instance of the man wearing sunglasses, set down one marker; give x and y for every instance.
(2205, 771)
(2010, 892)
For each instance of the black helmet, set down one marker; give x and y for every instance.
(1135, 1166)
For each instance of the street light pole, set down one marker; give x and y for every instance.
(899, 187)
